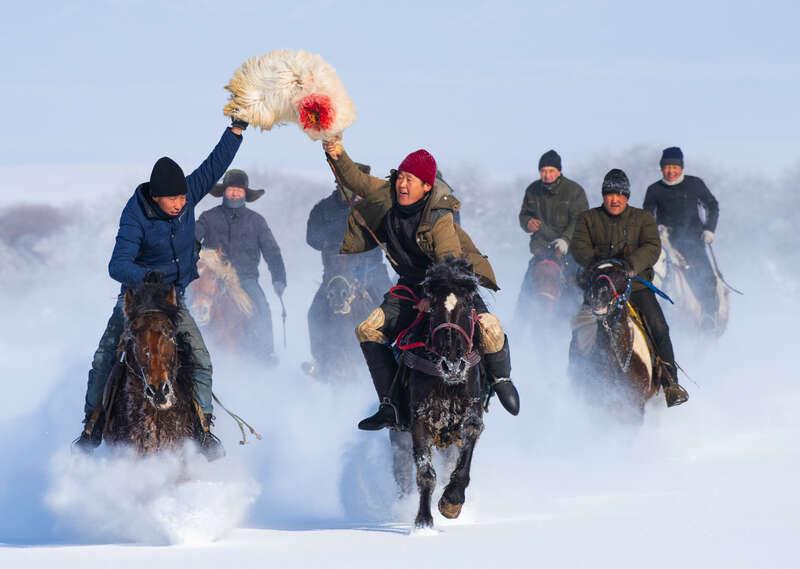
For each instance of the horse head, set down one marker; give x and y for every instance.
(151, 352)
(340, 294)
(607, 287)
(451, 287)
(216, 276)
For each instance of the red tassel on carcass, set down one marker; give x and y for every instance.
(316, 112)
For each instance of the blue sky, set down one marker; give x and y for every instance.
(488, 83)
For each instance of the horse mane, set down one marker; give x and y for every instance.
(223, 269)
(153, 294)
(453, 275)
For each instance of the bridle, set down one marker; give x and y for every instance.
(351, 293)
(413, 361)
(129, 354)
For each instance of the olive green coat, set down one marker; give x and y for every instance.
(557, 207)
(631, 235)
(437, 235)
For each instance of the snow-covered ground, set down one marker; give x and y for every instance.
(708, 484)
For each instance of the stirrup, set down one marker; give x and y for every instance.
(375, 422)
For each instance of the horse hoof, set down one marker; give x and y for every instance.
(423, 523)
(448, 510)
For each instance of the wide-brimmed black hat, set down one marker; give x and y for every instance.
(239, 179)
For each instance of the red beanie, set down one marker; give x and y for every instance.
(421, 164)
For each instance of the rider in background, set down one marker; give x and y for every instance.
(325, 230)
(675, 201)
(244, 236)
(157, 234)
(617, 230)
(413, 216)
(549, 211)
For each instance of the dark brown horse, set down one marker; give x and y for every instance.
(611, 358)
(218, 302)
(150, 394)
(444, 385)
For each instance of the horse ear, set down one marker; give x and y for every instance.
(172, 296)
(127, 307)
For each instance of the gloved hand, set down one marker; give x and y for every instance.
(279, 287)
(708, 237)
(629, 271)
(239, 123)
(560, 245)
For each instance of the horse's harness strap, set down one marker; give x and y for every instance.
(426, 366)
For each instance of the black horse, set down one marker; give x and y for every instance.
(342, 302)
(445, 387)
(611, 356)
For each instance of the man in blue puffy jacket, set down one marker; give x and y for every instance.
(157, 234)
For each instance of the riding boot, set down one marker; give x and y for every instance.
(674, 393)
(210, 446)
(383, 368)
(498, 369)
(87, 441)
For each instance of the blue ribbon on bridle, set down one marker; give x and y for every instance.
(654, 288)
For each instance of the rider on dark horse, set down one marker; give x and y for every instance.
(549, 211)
(413, 216)
(325, 230)
(244, 237)
(674, 201)
(617, 230)
(157, 234)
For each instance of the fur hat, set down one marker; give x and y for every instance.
(421, 164)
(672, 155)
(167, 179)
(550, 159)
(239, 179)
(616, 182)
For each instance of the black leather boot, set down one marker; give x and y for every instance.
(88, 441)
(674, 393)
(385, 416)
(210, 446)
(382, 367)
(498, 368)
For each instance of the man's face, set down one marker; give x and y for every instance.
(171, 205)
(549, 174)
(234, 193)
(615, 204)
(410, 189)
(671, 172)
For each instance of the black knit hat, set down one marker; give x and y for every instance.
(551, 159)
(616, 182)
(672, 155)
(167, 179)
(239, 179)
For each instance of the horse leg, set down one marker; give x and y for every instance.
(401, 461)
(453, 496)
(426, 475)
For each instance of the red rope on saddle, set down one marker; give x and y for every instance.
(412, 297)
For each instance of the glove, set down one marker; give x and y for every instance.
(560, 245)
(629, 272)
(708, 237)
(279, 288)
(239, 123)
(153, 277)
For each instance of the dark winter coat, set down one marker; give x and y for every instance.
(557, 206)
(243, 236)
(437, 235)
(150, 240)
(677, 207)
(325, 229)
(632, 235)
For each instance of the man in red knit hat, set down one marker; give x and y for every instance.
(412, 214)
